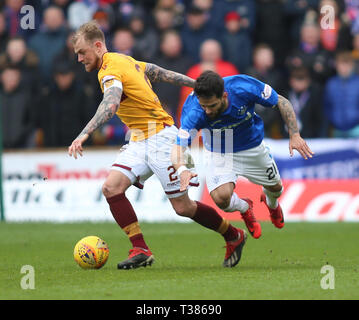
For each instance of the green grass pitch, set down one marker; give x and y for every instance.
(282, 264)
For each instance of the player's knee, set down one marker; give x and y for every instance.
(109, 190)
(115, 183)
(184, 206)
(222, 201)
(181, 211)
(276, 188)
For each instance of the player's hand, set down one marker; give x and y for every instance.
(185, 178)
(298, 143)
(76, 146)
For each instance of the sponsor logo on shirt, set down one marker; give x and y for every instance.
(267, 92)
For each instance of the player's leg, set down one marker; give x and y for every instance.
(160, 164)
(120, 178)
(270, 197)
(221, 179)
(204, 215)
(226, 199)
(272, 193)
(114, 191)
(209, 218)
(259, 167)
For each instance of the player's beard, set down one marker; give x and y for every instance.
(95, 65)
(222, 108)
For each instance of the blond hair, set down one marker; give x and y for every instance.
(90, 31)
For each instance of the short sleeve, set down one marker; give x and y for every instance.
(262, 93)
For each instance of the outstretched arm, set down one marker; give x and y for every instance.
(105, 111)
(288, 115)
(158, 74)
(295, 140)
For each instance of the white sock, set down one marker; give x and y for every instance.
(272, 198)
(237, 204)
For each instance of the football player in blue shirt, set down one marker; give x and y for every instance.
(223, 109)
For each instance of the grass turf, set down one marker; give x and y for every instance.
(282, 264)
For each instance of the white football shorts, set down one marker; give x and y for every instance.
(255, 164)
(139, 160)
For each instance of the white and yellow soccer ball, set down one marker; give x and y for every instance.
(91, 252)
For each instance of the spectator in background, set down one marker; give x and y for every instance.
(237, 43)
(352, 14)
(195, 31)
(171, 58)
(146, 39)
(63, 5)
(123, 9)
(123, 42)
(18, 55)
(246, 9)
(215, 11)
(3, 32)
(306, 98)
(295, 12)
(337, 37)
(49, 41)
(271, 28)
(264, 69)
(12, 16)
(88, 80)
(163, 19)
(13, 19)
(355, 52)
(311, 55)
(63, 108)
(105, 19)
(81, 11)
(341, 98)
(18, 125)
(176, 6)
(211, 59)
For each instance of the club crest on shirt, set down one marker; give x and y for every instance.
(108, 84)
(242, 110)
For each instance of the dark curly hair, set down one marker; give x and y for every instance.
(209, 84)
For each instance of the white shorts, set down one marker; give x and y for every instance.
(256, 164)
(139, 160)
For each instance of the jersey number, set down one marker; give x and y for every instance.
(272, 172)
(170, 175)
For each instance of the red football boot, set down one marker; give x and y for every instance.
(138, 257)
(234, 250)
(276, 215)
(253, 226)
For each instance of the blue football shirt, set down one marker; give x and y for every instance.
(238, 127)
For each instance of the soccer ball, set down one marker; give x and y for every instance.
(91, 252)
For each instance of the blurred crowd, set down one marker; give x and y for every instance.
(307, 50)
